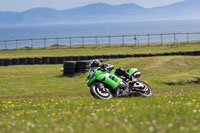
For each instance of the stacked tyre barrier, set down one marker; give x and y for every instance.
(60, 60)
(82, 66)
(69, 68)
(73, 67)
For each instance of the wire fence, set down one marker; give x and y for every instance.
(96, 41)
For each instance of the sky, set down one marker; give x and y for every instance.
(22, 5)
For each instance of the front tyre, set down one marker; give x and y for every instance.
(99, 90)
(148, 90)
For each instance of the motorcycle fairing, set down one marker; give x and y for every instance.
(106, 77)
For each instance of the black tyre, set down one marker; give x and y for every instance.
(167, 54)
(149, 55)
(15, 61)
(60, 60)
(102, 60)
(98, 56)
(135, 55)
(160, 54)
(125, 56)
(154, 54)
(114, 56)
(143, 55)
(37, 60)
(22, 61)
(106, 57)
(69, 70)
(98, 90)
(70, 63)
(83, 57)
(196, 53)
(75, 58)
(52, 60)
(172, 53)
(83, 67)
(180, 53)
(82, 70)
(148, 92)
(69, 67)
(189, 53)
(68, 58)
(82, 63)
(45, 60)
(129, 55)
(30, 61)
(1, 62)
(91, 57)
(7, 62)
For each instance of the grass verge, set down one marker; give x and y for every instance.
(38, 99)
(104, 49)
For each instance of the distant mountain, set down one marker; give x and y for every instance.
(189, 9)
(101, 13)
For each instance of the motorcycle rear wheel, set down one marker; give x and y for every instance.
(99, 90)
(149, 92)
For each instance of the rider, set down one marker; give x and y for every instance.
(123, 88)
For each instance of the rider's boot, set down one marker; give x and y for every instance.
(122, 90)
(129, 76)
(122, 72)
(125, 92)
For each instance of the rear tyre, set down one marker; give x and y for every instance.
(148, 92)
(99, 90)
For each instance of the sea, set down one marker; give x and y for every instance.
(101, 29)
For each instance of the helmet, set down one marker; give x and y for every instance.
(95, 63)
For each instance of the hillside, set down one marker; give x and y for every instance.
(101, 12)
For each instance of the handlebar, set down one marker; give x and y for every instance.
(106, 67)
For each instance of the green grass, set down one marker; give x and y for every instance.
(103, 49)
(38, 99)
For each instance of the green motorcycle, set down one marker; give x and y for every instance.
(104, 81)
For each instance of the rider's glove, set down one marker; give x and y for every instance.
(104, 66)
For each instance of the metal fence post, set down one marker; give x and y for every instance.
(70, 42)
(96, 41)
(188, 41)
(174, 38)
(123, 40)
(16, 44)
(57, 43)
(109, 40)
(177, 42)
(31, 43)
(161, 39)
(148, 39)
(45, 43)
(5, 44)
(83, 42)
(135, 38)
(138, 43)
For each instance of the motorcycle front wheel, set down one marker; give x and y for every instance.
(99, 90)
